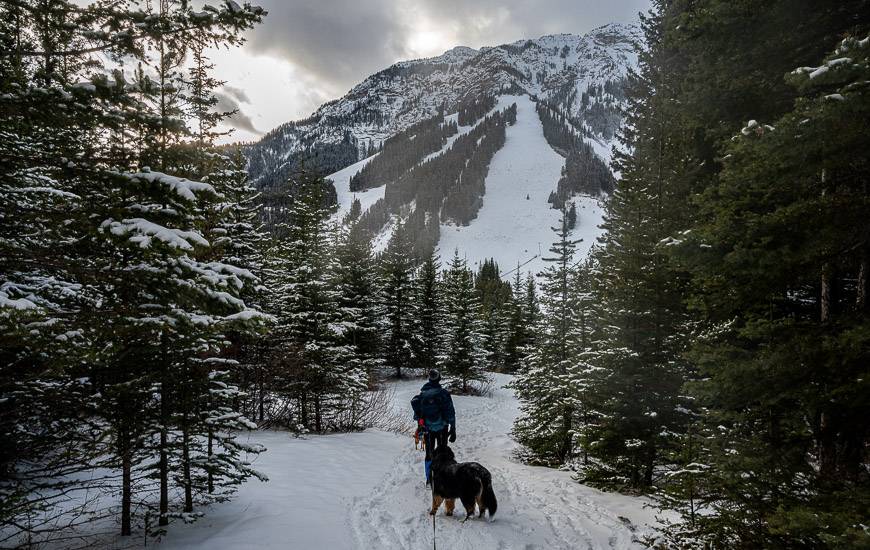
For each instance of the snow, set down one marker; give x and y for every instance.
(508, 227)
(365, 490)
(341, 180)
(15, 303)
(182, 187)
(144, 230)
(50, 191)
(249, 315)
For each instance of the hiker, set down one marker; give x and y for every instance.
(433, 411)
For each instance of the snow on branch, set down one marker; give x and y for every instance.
(185, 188)
(145, 230)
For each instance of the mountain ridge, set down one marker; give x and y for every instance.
(557, 68)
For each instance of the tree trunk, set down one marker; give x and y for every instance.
(126, 490)
(826, 297)
(827, 444)
(261, 394)
(210, 453)
(567, 450)
(185, 452)
(164, 436)
(318, 420)
(649, 466)
(303, 409)
(861, 291)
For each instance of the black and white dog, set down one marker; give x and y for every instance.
(470, 482)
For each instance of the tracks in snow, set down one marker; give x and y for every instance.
(538, 507)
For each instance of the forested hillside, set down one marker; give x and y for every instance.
(713, 350)
(162, 314)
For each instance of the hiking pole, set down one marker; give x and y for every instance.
(436, 511)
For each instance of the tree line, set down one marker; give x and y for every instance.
(126, 274)
(154, 306)
(447, 187)
(584, 171)
(713, 350)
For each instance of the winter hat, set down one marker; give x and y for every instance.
(434, 375)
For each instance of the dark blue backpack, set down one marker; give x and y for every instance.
(430, 405)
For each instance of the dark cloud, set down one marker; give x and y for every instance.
(229, 99)
(493, 22)
(237, 93)
(337, 43)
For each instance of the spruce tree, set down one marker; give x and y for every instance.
(494, 295)
(397, 269)
(466, 357)
(317, 366)
(546, 426)
(640, 367)
(781, 269)
(359, 299)
(516, 331)
(428, 316)
(125, 258)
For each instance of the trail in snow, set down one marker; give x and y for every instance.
(509, 227)
(366, 490)
(537, 507)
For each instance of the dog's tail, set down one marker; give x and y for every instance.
(487, 496)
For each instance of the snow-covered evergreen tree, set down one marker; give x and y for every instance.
(428, 318)
(122, 259)
(318, 368)
(545, 386)
(359, 299)
(465, 359)
(397, 269)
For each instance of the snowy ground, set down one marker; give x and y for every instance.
(366, 491)
(508, 227)
(341, 180)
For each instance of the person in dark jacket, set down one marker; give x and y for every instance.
(435, 416)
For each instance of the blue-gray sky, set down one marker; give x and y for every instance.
(310, 51)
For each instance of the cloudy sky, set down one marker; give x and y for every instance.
(310, 51)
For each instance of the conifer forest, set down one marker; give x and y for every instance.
(200, 331)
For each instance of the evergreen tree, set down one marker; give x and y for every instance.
(359, 299)
(639, 291)
(428, 316)
(123, 257)
(780, 263)
(465, 358)
(546, 424)
(397, 271)
(318, 369)
(494, 295)
(516, 330)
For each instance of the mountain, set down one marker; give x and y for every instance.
(427, 142)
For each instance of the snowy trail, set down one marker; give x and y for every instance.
(366, 490)
(538, 507)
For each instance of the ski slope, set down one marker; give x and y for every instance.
(509, 227)
(366, 491)
(345, 196)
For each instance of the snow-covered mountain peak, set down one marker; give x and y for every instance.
(458, 54)
(580, 77)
